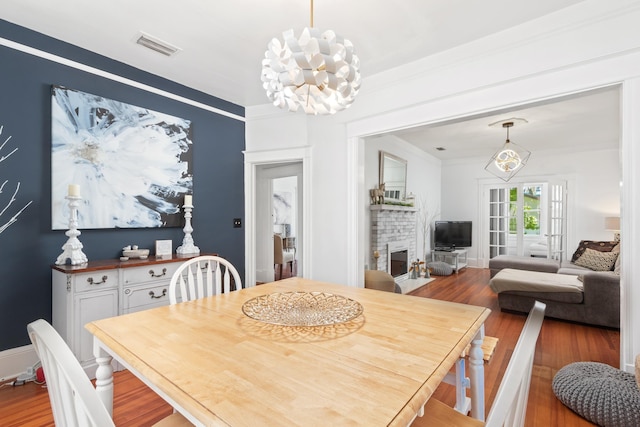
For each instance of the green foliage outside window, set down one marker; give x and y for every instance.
(531, 210)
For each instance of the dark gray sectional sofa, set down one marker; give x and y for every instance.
(598, 304)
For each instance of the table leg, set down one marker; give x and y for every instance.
(476, 375)
(104, 376)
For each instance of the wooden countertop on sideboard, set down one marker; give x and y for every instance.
(108, 264)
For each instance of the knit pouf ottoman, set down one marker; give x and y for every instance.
(600, 393)
(440, 268)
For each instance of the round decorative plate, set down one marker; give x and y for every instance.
(302, 308)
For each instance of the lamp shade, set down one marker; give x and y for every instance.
(612, 223)
(318, 72)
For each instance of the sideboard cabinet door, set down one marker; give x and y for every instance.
(79, 299)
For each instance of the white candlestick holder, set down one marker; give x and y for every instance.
(187, 248)
(72, 250)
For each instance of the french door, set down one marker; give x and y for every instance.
(498, 221)
(557, 223)
(521, 215)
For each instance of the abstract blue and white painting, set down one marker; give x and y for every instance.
(133, 165)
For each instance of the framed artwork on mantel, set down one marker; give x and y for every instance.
(131, 165)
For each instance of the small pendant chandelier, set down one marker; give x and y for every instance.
(509, 160)
(318, 72)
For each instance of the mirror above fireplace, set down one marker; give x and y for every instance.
(393, 174)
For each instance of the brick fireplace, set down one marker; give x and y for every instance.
(393, 230)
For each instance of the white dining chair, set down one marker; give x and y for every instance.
(510, 405)
(74, 401)
(203, 276)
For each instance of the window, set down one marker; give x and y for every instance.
(531, 213)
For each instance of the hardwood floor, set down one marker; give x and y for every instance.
(133, 404)
(560, 343)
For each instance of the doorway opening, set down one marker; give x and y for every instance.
(259, 225)
(279, 231)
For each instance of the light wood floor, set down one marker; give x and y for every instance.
(560, 343)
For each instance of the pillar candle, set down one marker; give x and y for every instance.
(188, 200)
(74, 190)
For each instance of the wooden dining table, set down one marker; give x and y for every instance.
(219, 367)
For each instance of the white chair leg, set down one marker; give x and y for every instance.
(463, 403)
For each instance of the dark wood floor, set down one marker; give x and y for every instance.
(560, 343)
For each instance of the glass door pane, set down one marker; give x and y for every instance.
(556, 230)
(498, 221)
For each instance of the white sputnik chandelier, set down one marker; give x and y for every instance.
(318, 72)
(508, 161)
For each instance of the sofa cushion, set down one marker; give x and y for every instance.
(596, 260)
(616, 266)
(523, 263)
(567, 267)
(534, 281)
(596, 245)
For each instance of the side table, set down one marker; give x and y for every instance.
(457, 259)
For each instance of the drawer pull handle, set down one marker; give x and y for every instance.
(91, 282)
(153, 295)
(164, 272)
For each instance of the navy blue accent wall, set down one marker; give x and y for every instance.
(28, 247)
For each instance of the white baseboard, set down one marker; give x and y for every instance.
(15, 361)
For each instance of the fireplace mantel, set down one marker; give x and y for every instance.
(393, 208)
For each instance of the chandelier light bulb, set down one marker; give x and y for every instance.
(318, 72)
(510, 159)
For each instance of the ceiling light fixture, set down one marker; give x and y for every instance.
(508, 161)
(318, 72)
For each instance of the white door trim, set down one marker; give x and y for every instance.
(252, 159)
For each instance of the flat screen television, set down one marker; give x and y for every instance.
(452, 234)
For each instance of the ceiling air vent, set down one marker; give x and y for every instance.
(156, 44)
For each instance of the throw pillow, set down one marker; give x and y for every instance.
(596, 260)
(601, 246)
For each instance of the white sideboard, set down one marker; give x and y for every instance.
(107, 288)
